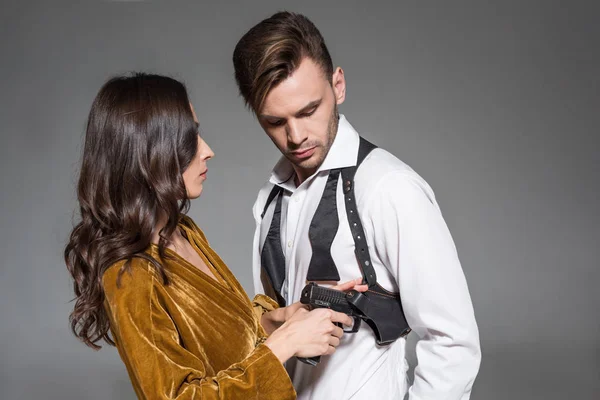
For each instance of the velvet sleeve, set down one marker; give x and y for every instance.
(262, 304)
(159, 365)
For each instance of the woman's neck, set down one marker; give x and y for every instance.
(176, 238)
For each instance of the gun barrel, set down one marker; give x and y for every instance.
(321, 297)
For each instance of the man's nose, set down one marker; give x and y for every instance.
(295, 134)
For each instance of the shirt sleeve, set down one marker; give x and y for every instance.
(162, 368)
(256, 267)
(411, 238)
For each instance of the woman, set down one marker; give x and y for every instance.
(144, 271)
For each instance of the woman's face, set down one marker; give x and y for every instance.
(195, 173)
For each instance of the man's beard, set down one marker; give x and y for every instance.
(323, 149)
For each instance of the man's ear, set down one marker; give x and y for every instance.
(338, 81)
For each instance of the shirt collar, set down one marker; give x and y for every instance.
(343, 153)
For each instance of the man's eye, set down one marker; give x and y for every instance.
(309, 113)
(276, 123)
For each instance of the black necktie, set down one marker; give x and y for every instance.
(322, 231)
(272, 257)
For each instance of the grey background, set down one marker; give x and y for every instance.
(495, 104)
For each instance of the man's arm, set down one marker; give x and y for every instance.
(256, 211)
(412, 239)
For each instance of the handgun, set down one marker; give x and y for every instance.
(381, 310)
(315, 296)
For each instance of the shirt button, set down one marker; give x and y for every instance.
(297, 199)
(290, 243)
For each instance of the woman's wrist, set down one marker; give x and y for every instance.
(280, 345)
(272, 320)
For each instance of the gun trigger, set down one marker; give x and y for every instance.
(355, 327)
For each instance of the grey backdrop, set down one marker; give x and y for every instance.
(496, 105)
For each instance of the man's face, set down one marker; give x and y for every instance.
(300, 116)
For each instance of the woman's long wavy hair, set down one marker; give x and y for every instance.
(140, 137)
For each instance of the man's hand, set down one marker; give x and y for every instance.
(354, 284)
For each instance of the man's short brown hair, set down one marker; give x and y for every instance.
(272, 50)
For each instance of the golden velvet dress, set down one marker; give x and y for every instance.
(196, 337)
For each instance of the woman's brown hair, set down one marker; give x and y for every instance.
(140, 137)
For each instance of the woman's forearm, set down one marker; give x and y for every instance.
(272, 320)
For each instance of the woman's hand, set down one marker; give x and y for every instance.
(273, 319)
(290, 310)
(308, 334)
(354, 284)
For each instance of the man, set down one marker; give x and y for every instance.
(285, 75)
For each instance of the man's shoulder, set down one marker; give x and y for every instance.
(382, 172)
(381, 164)
(261, 198)
(382, 161)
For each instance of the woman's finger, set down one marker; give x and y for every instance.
(330, 351)
(341, 317)
(334, 341)
(348, 285)
(337, 332)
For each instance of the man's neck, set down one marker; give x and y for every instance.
(300, 175)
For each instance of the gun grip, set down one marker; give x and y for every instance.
(317, 359)
(311, 360)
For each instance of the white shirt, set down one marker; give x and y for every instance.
(411, 251)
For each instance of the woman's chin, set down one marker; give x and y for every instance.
(195, 193)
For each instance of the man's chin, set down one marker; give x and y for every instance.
(313, 162)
